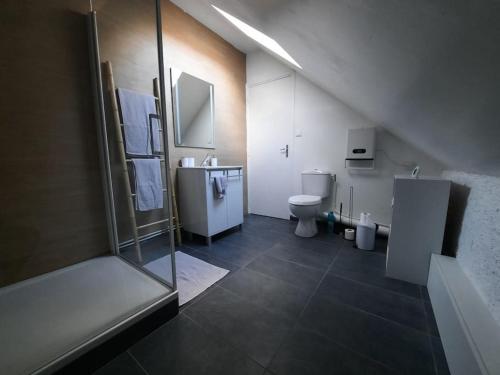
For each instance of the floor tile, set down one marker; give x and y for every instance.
(439, 357)
(319, 241)
(268, 292)
(358, 321)
(182, 347)
(211, 258)
(325, 235)
(254, 330)
(307, 353)
(381, 244)
(399, 308)
(301, 276)
(425, 293)
(396, 346)
(254, 242)
(369, 269)
(124, 364)
(230, 253)
(151, 249)
(265, 223)
(318, 257)
(350, 257)
(431, 319)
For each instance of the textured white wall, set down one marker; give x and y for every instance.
(320, 125)
(479, 242)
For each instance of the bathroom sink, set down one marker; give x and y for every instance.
(218, 168)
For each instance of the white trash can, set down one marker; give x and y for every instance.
(365, 236)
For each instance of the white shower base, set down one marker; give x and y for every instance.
(51, 319)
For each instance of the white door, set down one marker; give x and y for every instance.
(270, 135)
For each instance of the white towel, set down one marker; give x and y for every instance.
(220, 185)
(148, 184)
(135, 110)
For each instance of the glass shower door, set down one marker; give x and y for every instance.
(62, 289)
(134, 136)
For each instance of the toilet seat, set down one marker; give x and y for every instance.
(304, 200)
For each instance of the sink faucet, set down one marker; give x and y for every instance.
(205, 161)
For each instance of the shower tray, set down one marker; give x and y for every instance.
(52, 319)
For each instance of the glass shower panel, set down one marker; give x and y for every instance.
(136, 142)
(60, 282)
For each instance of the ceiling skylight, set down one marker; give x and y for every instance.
(261, 38)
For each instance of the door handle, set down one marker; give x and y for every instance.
(284, 150)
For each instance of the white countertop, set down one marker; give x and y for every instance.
(218, 168)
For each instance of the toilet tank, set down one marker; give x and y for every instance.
(316, 182)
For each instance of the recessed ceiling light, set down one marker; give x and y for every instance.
(261, 38)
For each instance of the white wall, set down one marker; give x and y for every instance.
(479, 242)
(323, 121)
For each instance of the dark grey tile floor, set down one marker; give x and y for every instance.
(292, 306)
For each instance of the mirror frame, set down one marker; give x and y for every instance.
(175, 111)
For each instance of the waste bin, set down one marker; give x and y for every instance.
(365, 233)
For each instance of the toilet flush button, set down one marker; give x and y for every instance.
(298, 133)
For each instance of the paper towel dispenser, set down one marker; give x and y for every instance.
(361, 144)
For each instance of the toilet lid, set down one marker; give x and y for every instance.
(304, 200)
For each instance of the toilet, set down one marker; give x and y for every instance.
(306, 207)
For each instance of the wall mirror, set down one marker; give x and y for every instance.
(193, 105)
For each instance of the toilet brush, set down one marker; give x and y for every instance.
(349, 233)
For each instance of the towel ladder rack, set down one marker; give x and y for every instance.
(130, 160)
(160, 129)
(153, 223)
(108, 72)
(134, 195)
(123, 160)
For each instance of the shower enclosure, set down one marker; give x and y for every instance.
(128, 54)
(78, 270)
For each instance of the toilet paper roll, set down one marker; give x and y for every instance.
(349, 234)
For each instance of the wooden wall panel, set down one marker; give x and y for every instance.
(51, 202)
(191, 47)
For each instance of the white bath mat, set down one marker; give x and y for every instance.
(193, 275)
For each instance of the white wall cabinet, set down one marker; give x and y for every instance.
(200, 210)
(418, 221)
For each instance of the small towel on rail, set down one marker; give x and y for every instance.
(220, 185)
(142, 134)
(148, 184)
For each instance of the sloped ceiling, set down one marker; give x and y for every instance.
(427, 70)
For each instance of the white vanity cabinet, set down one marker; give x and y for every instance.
(201, 212)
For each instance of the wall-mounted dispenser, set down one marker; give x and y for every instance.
(360, 148)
